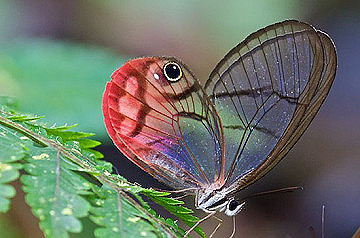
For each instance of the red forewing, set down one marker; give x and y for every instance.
(167, 128)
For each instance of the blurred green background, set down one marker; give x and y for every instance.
(55, 57)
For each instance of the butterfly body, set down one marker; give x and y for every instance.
(217, 139)
(213, 200)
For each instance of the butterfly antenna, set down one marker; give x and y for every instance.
(323, 221)
(311, 228)
(280, 190)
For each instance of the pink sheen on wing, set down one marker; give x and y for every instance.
(141, 117)
(156, 171)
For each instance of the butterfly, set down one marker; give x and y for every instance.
(216, 139)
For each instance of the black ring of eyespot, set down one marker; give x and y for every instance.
(172, 71)
(233, 205)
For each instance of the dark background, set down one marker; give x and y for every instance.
(55, 57)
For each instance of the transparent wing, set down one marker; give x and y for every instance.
(169, 129)
(266, 91)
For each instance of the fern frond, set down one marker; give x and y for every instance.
(66, 181)
(11, 151)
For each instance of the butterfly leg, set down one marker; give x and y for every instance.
(181, 196)
(234, 226)
(198, 223)
(217, 227)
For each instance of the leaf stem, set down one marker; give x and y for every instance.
(12, 125)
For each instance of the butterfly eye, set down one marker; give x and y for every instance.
(233, 205)
(172, 71)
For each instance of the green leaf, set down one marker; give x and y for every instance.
(20, 118)
(54, 190)
(11, 151)
(84, 143)
(120, 218)
(96, 154)
(55, 129)
(70, 135)
(88, 143)
(64, 182)
(173, 206)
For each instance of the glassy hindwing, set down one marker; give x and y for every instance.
(267, 90)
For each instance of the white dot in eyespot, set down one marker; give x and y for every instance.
(156, 76)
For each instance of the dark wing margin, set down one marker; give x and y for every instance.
(267, 90)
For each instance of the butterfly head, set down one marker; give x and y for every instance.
(217, 200)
